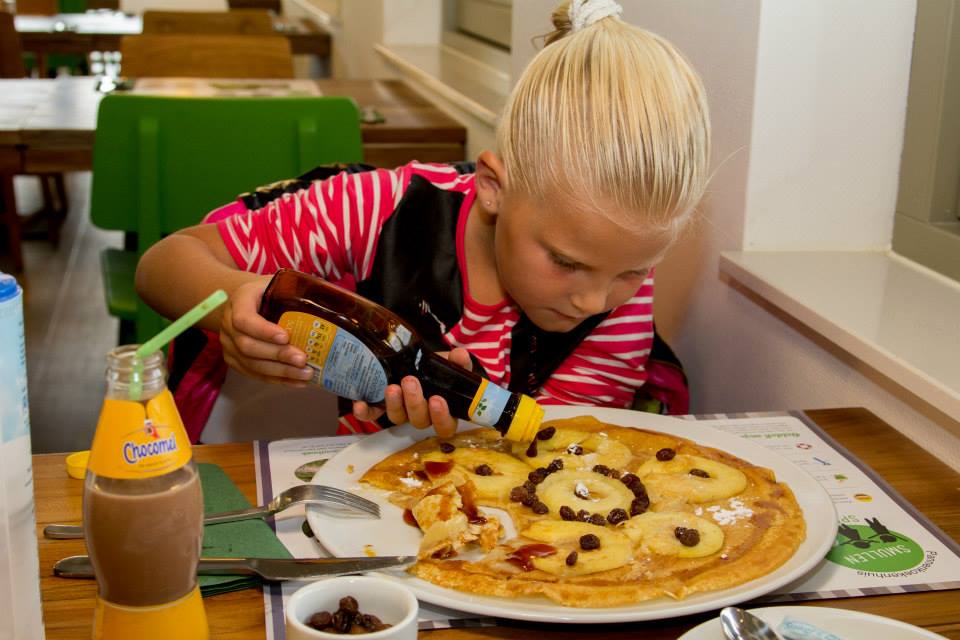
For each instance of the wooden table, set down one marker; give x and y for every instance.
(51, 123)
(923, 480)
(102, 30)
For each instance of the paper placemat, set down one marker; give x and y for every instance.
(884, 545)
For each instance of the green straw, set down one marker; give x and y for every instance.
(160, 340)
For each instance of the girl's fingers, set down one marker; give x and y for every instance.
(443, 422)
(461, 357)
(393, 400)
(416, 405)
(363, 411)
(270, 370)
(260, 350)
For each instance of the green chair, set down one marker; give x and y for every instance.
(162, 163)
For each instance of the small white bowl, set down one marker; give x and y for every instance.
(393, 603)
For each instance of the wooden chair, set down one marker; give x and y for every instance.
(38, 7)
(209, 56)
(53, 187)
(249, 22)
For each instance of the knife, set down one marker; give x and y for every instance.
(272, 569)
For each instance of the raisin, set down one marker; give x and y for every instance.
(320, 620)
(517, 494)
(446, 447)
(349, 604)
(602, 469)
(567, 513)
(529, 486)
(539, 508)
(589, 542)
(666, 454)
(483, 470)
(638, 489)
(687, 537)
(532, 450)
(598, 520)
(555, 466)
(700, 473)
(628, 479)
(546, 433)
(638, 506)
(342, 621)
(614, 474)
(371, 622)
(616, 516)
(583, 515)
(529, 500)
(537, 475)
(575, 449)
(571, 558)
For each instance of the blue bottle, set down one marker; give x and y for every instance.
(19, 577)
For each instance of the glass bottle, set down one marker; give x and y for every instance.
(143, 508)
(357, 347)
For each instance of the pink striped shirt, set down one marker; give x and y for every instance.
(331, 229)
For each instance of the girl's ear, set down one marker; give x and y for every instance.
(491, 179)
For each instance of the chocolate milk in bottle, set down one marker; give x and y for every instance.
(357, 347)
(143, 509)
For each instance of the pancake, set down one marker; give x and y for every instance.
(607, 515)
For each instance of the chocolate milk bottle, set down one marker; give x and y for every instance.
(143, 509)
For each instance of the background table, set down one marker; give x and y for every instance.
(102, 30)
(51, 124)
(923, 480)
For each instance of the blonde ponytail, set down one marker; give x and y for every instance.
(611, 117)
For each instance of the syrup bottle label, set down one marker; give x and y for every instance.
(341, 363)
(488, 404)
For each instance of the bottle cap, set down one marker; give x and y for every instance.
(526, 421)
(8, 287)
(77, 464)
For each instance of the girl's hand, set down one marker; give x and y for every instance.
(405, 402)
(258, 348)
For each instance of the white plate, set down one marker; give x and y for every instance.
(391, 536)
(849, 625)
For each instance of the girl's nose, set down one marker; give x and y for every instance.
(590, 302)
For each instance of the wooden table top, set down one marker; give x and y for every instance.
(923, 480)
(101, 31)
(56, 119)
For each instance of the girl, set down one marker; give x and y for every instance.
(536, 266)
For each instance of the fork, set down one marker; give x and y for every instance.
(300, 494)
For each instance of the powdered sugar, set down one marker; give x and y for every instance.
(581, 491)
(737, 511)
(411, 482)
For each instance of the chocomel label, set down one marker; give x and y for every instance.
(341, 363)
(134, 440)
(488, 404)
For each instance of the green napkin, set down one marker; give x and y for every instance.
(244, 539)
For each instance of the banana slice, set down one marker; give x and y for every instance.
(615, 548)
(657, 532)
(594, 449)
(506, 471)
(673, 478)
(579, 489)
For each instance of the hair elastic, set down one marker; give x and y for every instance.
(584, 13)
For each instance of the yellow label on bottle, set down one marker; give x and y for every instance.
(134, 440)
(312, 334)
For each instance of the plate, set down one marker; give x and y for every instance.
(849, 625)
(391, 536)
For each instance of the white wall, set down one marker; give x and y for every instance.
(807, 102)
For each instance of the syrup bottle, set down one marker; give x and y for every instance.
(357, 347)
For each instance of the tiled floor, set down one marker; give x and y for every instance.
(68, 330)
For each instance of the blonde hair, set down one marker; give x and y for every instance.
(609, 114)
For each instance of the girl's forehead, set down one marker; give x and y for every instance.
(593, 237)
